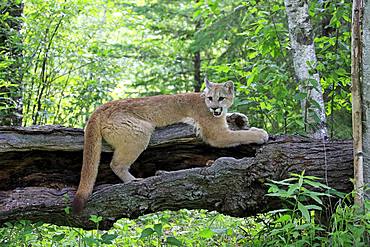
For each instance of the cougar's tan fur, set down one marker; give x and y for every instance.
(128, 124)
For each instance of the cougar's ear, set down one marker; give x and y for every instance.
(208, 83)
(229, 85)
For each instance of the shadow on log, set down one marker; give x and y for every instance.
(40, 168)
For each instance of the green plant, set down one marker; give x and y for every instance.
(350, 225)
(295, 223)
(157, 230)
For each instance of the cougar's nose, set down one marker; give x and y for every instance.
(214, 108)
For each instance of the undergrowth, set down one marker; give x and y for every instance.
(297, 223)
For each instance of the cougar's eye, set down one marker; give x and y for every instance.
(210, 98)
(221, 98)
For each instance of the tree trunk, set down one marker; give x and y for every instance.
(304, 60)
(10, 51)
(356, 57)
(197, 60)
(40, 170)
(366, 93)
(197, 79)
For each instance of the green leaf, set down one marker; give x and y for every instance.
(206, 233)
(158, 229)
(300, 96)
(58, 237)
(300, 181)
(173, 241)
(304, 211)
(313, 207)
(273, 188)
(282, 194)
(279, 211)
(346, 18)
(335, 193)
(108, 238)
(341, 72)
(90, 241)
(313, 83)
(265, 105)
(146, 232)
(315, 197)
(283, 182)
(293, 188)
(315, 184)
(283, 218)
(96, 219)
(67, 210)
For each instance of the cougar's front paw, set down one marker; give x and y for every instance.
(262, 135)
(237, 121)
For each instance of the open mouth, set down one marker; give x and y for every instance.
(216, 111)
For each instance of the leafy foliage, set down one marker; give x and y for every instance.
(10, 62)
(182, 228)
(79, 54)
(297, 223)
(71, 56)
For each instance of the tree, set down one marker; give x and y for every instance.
(356, 57)
(11, 63)
(304, 60)
(197, 58)
(366, 93)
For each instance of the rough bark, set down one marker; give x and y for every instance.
(366, 93)
(40, 171)
(304, 60)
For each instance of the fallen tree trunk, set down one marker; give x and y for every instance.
(40, 167)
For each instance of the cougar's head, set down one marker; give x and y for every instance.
(218, 97)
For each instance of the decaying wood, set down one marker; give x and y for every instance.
(39, 172)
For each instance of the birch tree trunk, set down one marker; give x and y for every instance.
(304, 60)
(366, 93)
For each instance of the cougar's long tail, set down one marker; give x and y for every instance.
(90, 164)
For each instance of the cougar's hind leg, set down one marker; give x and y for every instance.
(129, 144)
(123, 158)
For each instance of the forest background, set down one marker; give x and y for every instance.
(62, 59)
(59, 60)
